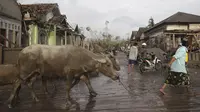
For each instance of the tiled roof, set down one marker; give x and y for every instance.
(58, 20)
(133, 34)
(36, 10)
(179, 17)
(140, 31)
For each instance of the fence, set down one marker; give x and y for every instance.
(195, 57)
(9, 55)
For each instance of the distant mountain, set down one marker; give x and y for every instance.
(123, 25)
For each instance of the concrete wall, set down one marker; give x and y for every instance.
(52, 37)
(9, 55)
(177, 27)
(33, 34)
(77, 41)
(194, 26)
(1, 54)
(34, 31)
(11, 25)
(10, 8)
(58, 40)
(194, 57)
(156, 34)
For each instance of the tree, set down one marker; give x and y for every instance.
(151, 23)
(117, 37)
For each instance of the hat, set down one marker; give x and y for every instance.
(144, 44)
(180, 44)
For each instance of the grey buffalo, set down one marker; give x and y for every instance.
(85, 77)
(68, 61)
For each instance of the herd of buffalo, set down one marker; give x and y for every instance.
(46, 62)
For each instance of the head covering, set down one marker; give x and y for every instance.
(185, 43)
(144, 44)
(180, 44)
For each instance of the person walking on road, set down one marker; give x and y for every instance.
(132, 57)
(178, 75)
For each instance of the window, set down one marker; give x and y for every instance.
(9, 26)
(42, 39)
(5, 25)
(1, 23)
(13, 26)
(18, 27)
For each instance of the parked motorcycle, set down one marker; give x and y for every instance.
(139, 60)
(151, 63)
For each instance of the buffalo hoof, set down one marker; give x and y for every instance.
(70, 105)
(10, 106)
(8, 103)
(36, 100)
(46, 93)
(93, 94)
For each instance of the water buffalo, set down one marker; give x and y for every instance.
(99, 50)
(85, 77)
(69, 61)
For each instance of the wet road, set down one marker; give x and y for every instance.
(143, 95)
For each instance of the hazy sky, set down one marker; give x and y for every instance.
(124, 15)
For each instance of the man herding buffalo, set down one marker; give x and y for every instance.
(44, 61)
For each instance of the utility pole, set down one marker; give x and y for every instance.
(106, 29)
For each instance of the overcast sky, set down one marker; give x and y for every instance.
(123, 15)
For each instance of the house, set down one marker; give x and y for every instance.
(133, 35)
(170, 31)
(10, 24)
(62, 32)
(44, 24)
(79, 37)
(140, 36)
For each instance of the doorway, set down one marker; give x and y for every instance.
(2, 33)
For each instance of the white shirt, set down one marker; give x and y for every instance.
(133, 53)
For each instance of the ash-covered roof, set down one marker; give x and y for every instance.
(179, 17)
(59, 20)
(36, 10)
(140, 31)
(134, 33)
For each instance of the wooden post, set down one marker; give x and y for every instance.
(190, 56)
(65, 37)
(7, 34)
(197, 56)
(196, 39)
(61, 41)
(19, 37)
(167, 40)
(174, 41)
(193, 57)
(1, 54)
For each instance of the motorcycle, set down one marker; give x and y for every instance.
(152, 63)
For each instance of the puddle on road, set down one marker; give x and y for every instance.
(112, 97)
